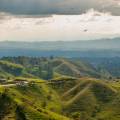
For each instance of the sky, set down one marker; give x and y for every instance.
(63, 20)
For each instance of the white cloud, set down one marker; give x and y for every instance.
(92, 24)
(119, 3)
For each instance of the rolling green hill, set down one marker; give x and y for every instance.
(62, 98)
(32, 102)
(90, 99)
(48, 68)
(74, 90)
(9, 70)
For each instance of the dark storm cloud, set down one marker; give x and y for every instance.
(37, 7)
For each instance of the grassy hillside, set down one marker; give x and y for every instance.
(69, 93)
(78, 99)
(10, 70)
(90, 99)
(32, 102)
(48, 68)
(107, 66)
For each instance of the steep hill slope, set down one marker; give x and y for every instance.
(111, 66)
(42, 67)
(9, 69)
(78, 99)
(32, 102)
(90, 99)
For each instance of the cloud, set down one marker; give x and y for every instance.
(37, 7)
(93, 15)
(90, 25)
(4, 16)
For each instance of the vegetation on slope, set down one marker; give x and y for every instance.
(48, 68)
(89, 99)
(73, 93)
(79, 99)
(32, 102)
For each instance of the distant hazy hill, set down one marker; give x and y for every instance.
(103, 47)
(111, 65)
(65, 45)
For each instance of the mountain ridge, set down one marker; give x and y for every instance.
(106, 44)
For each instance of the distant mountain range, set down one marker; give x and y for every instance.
(100, 48)
(64, 45)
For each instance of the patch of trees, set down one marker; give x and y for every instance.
(20, 113)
